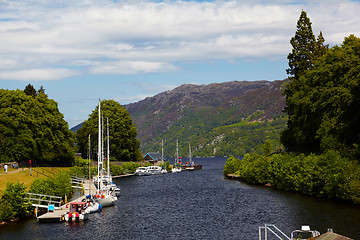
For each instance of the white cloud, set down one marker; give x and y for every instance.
(131, 37)
(130, 67)
(37, 74)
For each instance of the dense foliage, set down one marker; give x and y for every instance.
(123, 143)
(13, 203)
(31, 127)
(326, 175)
(231, 166)
(58, 186)
(322, 103)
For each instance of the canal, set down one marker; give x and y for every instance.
(197, 205)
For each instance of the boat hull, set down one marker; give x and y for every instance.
(74, 217)
(107, 202)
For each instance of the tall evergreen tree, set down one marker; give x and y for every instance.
(320, 49)
(30, 90)
(303, 43)
(322, 110)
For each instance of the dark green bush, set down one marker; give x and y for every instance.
(13, 203)
(59, 186)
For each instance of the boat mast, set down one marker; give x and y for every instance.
(100, 159)
(190, 160)
(177, 151)
(162, 150)
(108, 150)
(89, 166)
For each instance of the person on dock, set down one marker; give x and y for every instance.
(5, 168)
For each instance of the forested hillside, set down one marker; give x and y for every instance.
(217, 119)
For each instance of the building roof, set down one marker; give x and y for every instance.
(330, 236)
(152, 157)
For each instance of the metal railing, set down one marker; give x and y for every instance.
(272, 229)
(43, 201)
(77, 182)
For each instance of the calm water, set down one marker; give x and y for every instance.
(197, 205)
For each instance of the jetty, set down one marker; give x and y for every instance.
(196, 167)
(56, 213)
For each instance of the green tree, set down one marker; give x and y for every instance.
(33, 128)
(14, 194)
(30, 90)
(320, 49)
(303, 43)
(303, 121)
(323, 112)
(123, 143)
(6, 213)
(267, 147)
(58, 186)
(232, 165)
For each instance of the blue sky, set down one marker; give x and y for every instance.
(85, 50)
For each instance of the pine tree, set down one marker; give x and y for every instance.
(320, 49)
(303, 43)
(41, 90)
(30, 90)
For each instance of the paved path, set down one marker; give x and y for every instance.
(13, 171)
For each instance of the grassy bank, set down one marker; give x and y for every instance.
(23, 176)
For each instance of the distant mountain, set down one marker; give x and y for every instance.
(217, 119)
(77, 127)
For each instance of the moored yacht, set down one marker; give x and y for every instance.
(142, 171)
(154, 170)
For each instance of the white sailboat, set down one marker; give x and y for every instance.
(176, 167)
(110, 184)
(190, 166)
(163, 170)
(105, 195)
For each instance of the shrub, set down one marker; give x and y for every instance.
(13, 202)
(59, 186)
(231, 166)
(6, 213)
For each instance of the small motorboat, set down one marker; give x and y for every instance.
(304, 233)
(142, 171)
(77, 212)
(176, 170)
(91, 205)
(154, 170)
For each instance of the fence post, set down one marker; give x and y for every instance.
(265, 232)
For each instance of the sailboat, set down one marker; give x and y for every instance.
(105, 196)
(110, 185)
(163, 170)
(190, 166)
(176, 167)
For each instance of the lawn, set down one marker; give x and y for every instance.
(23, 176)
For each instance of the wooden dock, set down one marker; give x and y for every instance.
(58, 214)
(124, 175)
(196, 167)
